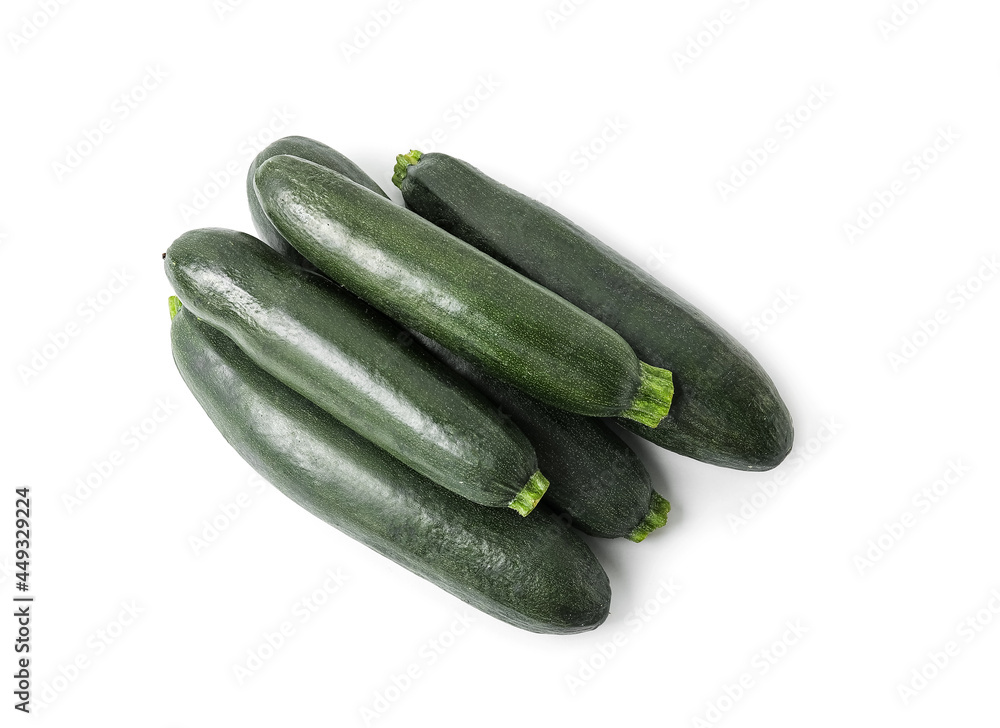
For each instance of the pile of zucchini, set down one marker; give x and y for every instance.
(422, 378)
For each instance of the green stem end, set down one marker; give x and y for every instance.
(525, 501)
(402, 162)
(175, 306)
(659, 507)
(652, 402)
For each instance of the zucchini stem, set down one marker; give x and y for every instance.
(525, 501)
(174, 304)
(652, 401)
(402, 162)
(659, 507)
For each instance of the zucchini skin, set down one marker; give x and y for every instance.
(597, 482)
(533, 573)
(314, 151)
(434, 283)
(726, 410)
(352, 362)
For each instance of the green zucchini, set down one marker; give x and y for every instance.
(726, 410)
(434, 283)
(314, 151)
(534, 573)
(356, 364)
(598, 483)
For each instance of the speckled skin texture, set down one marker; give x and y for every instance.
(433, 283)
(534, 573)
(314, 151)
(725, 411)
(597, 481)
(351, 361)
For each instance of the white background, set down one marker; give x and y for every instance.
(872, 431)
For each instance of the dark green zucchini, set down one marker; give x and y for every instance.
(314, 151)
(725, 411)
(434, 283)
(533, 573)
(598, 483)
(356, 364)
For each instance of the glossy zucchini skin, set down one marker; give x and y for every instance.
(353, 362)
(533, 573)
(314, 151)
(597, 482)
(726, 410)
(433, 283)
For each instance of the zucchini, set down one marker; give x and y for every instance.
(356, 364)
(534, 573)
(726, 410)
(598, 483)
(314, 151)
(447, 290)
